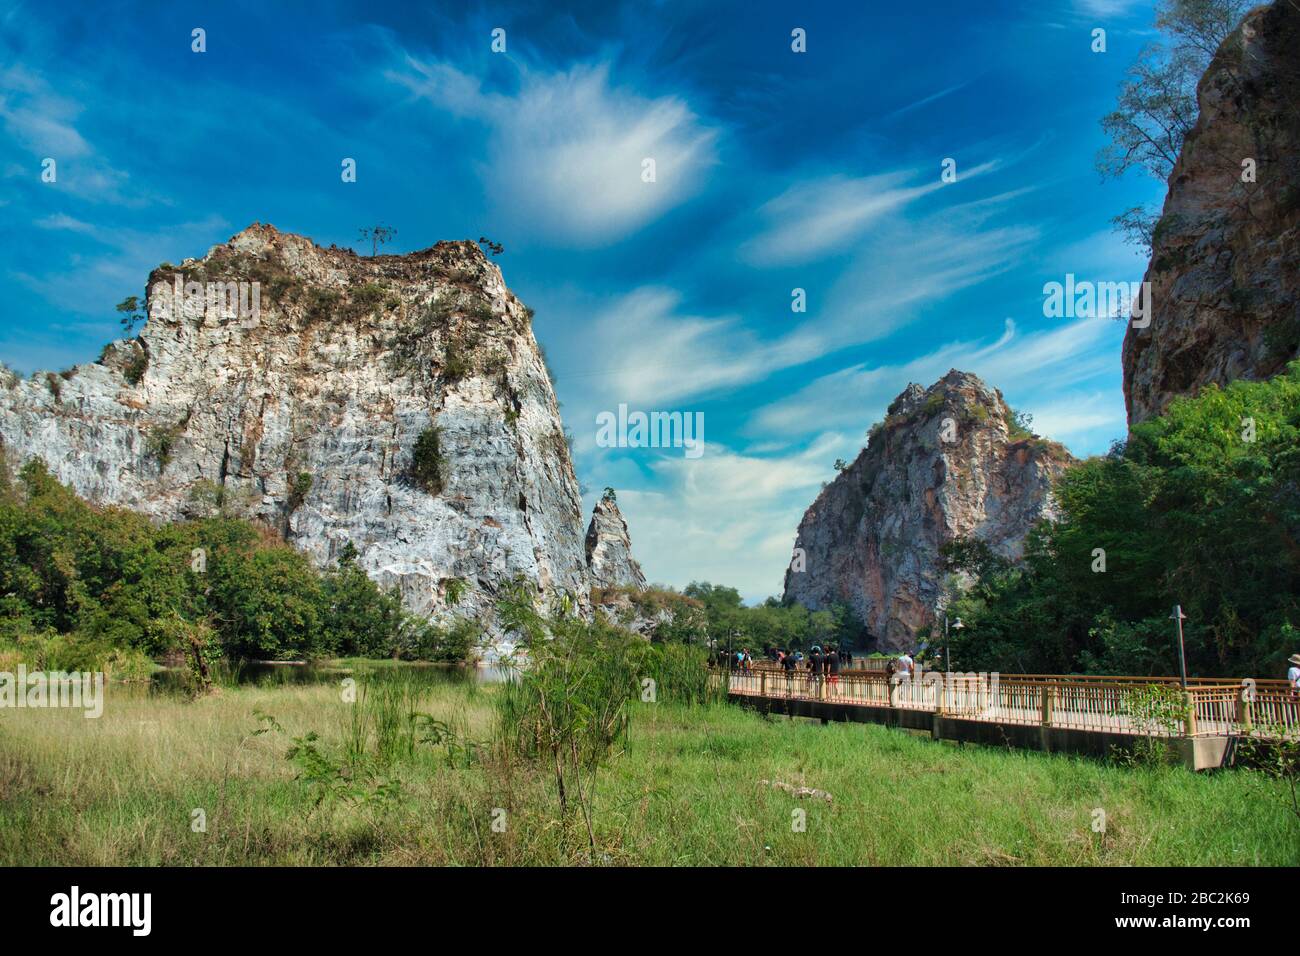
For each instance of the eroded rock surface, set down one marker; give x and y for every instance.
(609, 549)
(1225, 265)
(306, 416)
(945, 464)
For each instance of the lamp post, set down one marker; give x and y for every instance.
(1178, 616)
(957, 626)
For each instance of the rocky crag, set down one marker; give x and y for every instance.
(399, 403)
(609, 549)
(1225, 265)
(948, 462)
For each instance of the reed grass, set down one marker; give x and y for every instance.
(692, 783)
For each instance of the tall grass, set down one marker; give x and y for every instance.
(688, 783)
(385, 722)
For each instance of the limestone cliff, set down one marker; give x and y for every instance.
(1225, 265)
(609, 549)
(399, 403)
(946, 463)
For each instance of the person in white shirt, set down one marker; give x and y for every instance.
(906, 665)
(1293, 674)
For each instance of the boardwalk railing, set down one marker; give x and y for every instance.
(1147, 706)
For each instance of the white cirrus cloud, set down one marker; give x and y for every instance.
(37, 117)
(818, 216)
(1107, 8)
(565, 151)
(726, 517)
(1040, 369)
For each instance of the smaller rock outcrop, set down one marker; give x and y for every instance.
(948, 462)
(609, 548)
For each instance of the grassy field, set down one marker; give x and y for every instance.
(687, 789)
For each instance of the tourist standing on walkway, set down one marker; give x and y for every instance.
(788, 665)
(815, 666)
(833, 670)
(906, 665)
(1293, 673)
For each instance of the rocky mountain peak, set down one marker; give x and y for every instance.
(948, 462)
(399, 403)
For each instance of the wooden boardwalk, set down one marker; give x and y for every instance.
(1050, 712)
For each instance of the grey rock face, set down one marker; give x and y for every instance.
(942, 466)
(305, 416)
(1225, 264)
(609, 549)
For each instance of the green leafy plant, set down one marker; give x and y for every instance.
(1157, 712)
(136, 367)
(1019, 425)
(1276, 754)
(456, 588)
(160, 444)
(427, 463)
(321, 304)
(299, 488)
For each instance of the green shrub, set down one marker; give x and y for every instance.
(409, 347)
(364, 299)
(455, 589)
(106, 586)
(427, 464)
(321, 304)
(136, 367)
(570, 706)
(1019, 425)
(455, 643)
(160, 443)
(573, 703)
(299, 488)
(456, 363)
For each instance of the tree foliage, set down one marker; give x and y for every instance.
(733, 625)
(1156, 107)
(105, 578)
(1200, 508)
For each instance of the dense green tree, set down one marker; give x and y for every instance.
(1200, 508)
(771, 623)
(87, 581)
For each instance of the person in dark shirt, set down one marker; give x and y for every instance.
(788, 665)
(815, 664)
(833, 671)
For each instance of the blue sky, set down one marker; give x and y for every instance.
(775, 170)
